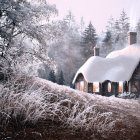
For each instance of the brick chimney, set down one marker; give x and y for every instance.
(96, 51)
(132, 38)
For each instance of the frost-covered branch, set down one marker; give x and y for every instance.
(26, 25)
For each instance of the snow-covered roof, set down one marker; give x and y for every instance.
(117, 66)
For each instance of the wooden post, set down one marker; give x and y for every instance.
(103, 88)
(129, 86)
(139, 87)
(115, 88)
(100, 88)
(90, 87)
(125, 86)
(85, 86)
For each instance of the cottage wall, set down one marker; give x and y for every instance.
(132, 86)
(134, 83)
(78, 85)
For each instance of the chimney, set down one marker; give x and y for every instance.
(132, 38)
(96, 51)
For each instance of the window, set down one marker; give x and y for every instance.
(96, 87)
(109, 87)
(81, 86)
(77, 85)
(120, 87)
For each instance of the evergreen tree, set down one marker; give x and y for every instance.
(66, 51)
(123, 27)
(52, 76)
(89, 40)
(124, 21)
(107, 38)
(111, 27)
(44, 71)
(106, 44)
(118, 29)
(61, 80)
(69, 19)
(69, 24)
(82, 26)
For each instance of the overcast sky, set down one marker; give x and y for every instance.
(99, 11)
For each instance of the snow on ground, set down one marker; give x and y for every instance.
(117, 66)
(36, 99)
(131, 106)
(98, 112)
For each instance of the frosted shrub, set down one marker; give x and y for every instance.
(31, 100)
(129, 95)
(26, 106)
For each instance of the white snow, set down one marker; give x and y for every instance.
(117, 66)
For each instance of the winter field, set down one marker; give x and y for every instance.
(36, 109)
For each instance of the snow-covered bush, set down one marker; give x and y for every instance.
(129, 95)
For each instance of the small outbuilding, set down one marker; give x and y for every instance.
(117, 73)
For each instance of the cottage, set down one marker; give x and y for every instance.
(117, 73)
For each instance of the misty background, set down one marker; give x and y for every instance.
(42, 44)
(77, 42)
(98, 11)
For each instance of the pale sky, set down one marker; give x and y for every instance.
(98, 11)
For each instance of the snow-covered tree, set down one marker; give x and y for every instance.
(119, 29)
(61, 80)
(44, 71)
(82, 26)
(107, 37)
(69, 19)
(124, 27)
(25, 30)
(89, 40)
(66, 51)
(52, 76)
(107, 44)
